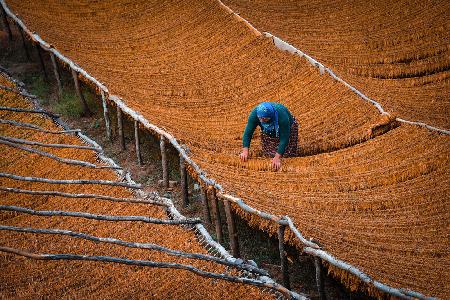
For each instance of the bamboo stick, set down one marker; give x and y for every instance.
(299, 235)
(123, 174)
(424, 125)
(205, 202)
(85, 196)
(37, 128)
(283, 258)
(319, 279)
(57, 76)
(279, 43)
(217, 219)
(86, 110)
(148, 246)
(6, 24)
(164, 162)
(137, 143)
(106, 116)
(53, 213)
(57, 158)
(228, 10)
(28, 142)
(232, 232)
(27, 54)
(120, 128)
(146, 263)
(41, 60)
(78, 181)
(184, 183)
(36, 111)
(251, 210)
(213, 244)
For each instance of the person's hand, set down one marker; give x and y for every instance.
(276, 162)
(244, 154)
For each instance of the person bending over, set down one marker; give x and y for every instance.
(279, 132)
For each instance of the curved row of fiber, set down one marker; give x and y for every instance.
(395, 52)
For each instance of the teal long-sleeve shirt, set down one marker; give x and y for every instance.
(285, 120)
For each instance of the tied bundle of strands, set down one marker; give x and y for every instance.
(395, 52)
(373, 193)
(22, 232)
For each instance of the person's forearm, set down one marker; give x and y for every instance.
(278, 155)
(281, 148)
(284, 140)
(247, 137)
(249, 129)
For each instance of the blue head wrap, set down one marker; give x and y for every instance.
(267, 110)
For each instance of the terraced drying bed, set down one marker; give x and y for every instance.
(25, 278)
(370, 191)
(396, 52)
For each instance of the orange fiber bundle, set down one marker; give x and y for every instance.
(372, 192)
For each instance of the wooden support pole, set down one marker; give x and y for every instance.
(283, 258)
(206, 212)
(56, 73)
(37, 128)
(147, 246)
(164, 162)
(36, 143)
(232, 232)
(6, 24)
(319, 278)
(137, 142)
(86, 196)
(147, 263)
(86, 110)
(217, 220)
(24, 43)
(120, 128)
(41, 60)
(184, 183)
(57, 158)
(77, 181)
(99, 217)
(31, 111)
(106, 116)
